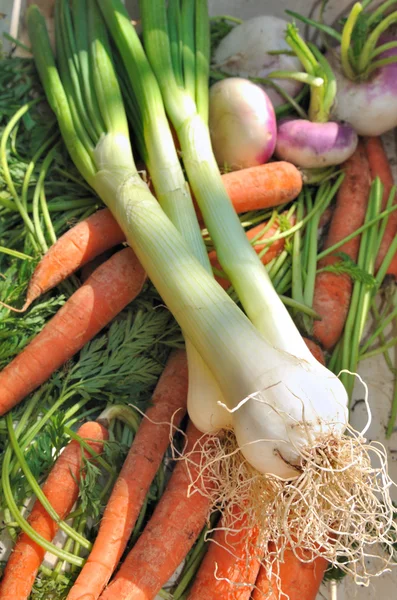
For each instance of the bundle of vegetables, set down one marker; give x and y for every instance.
(270, 450)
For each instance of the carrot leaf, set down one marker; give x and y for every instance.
(348, 266)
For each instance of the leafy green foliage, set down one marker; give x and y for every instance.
(52, 587)
(90, 489)
(67, 196)
(348, 266)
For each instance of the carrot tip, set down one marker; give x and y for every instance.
(17, 310)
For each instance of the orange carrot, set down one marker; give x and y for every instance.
(140, 466)
(61, 489)
(250, 189)
(230, 567)
(297, 580)
(273, 250)
(168, 536)
(76, 247)
(380, 167)
(315, 350)
(333, 290)
(106, 292)
(262, 187)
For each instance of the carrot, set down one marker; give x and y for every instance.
(106, 292)
(76, 247)
(262, 187)
(61, 489)
(380, 167)
(332, 291)
(167, 538)
(297, 580)
(250, 189)
(273, 250)
(315, 350)
(140, 466)
(229, 568)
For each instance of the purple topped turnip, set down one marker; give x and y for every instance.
(367, 85)
(315, 143)
(365, 68)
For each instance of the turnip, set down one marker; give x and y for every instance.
(242, 124)
(367, 83)
(315, 143)
(365, 69)
(244, 52)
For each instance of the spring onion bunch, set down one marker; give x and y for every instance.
(288, 413)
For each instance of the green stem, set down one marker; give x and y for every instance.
(320, 26)
(139, 521)
(31, 167)
(194, 559)
(34, 430)
(380, 328)
(299, 307)
(379, 11)
(279, 267)
(87, 447)
(312, 80)
(346, 41)
(382, 271)
(316, 208)
(297, 288)
(227, 18)
(383, 48)
(202, 58)
(36, 200)
(379, 349)
(361, 296)
(357, 232)
(73, 178)
(312, 240)
(37, 490)
(15, 253)
(378, 64)
(301, 49)
(174, 31)
(4, 163)
(23, 523)
(188, 46)
(369, 46)
(80, 527)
